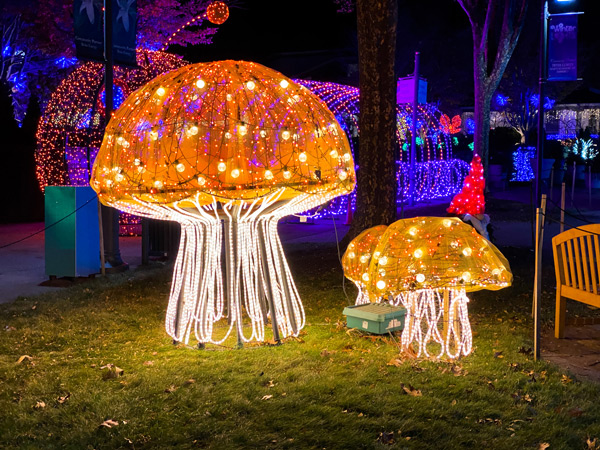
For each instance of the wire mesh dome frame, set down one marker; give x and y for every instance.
(224, 200)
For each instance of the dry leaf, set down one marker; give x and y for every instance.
(188, 382)
(453, 402)
(23, 358)
(498, 355)
(64, 398)
(109, 423)
(592, 444)
(543, 446)
(576, 412)
(566, 380)
(148, 363)
(171, 389)
(360, 415)
(411, 390)
(271, 384)
(40, 405)
(394, 362)
(386, 438)
(266, 397)
(111, 371)
(326, 352)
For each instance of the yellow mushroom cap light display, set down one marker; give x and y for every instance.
(429, 263)
(357, 258)
(233, 143)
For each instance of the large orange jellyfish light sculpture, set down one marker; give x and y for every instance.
(226, 149)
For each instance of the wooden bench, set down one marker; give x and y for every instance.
(577, 268)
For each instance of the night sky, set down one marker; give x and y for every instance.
(310, 39)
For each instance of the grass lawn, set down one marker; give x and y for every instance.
(330, 388)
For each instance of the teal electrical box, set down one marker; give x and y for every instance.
(377, 318)
(72, 240)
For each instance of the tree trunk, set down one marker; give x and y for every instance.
(481, 138)
(376, 176)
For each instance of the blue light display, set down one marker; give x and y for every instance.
(522, 170)
(470, 125)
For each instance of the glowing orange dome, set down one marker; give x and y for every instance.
(230, 130)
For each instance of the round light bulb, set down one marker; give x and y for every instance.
(137, 162)
(334, 154)
(229, 97)
(221, 166)
(268, 175)
(263, 133)
(227, 135)
(119, 177)
(158, 184)
(420, 277)
(160, 91)
(302, 157)
(466, 276)
(242, 129)
(109, 183)
(153, 135)
(200, 83)
(383, 261)
(496, 272)
(351, 255)
(447, 223)
(250, 85)
(467, 251)
(285, 135)
(201, 181)
(381, 285)
(418, 253)
(235, 173)
(347, 157)
(193, 130)
(179, 167)
(287, 174)
(365, 276)
(412, 231)
(364, 259)
(342, 174)
(284, 83)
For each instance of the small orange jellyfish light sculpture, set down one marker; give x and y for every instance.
(428, 264)
(226, 149)
(357, 258)
(217, 13)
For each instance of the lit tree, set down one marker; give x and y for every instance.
(376, 186)
(495, 26)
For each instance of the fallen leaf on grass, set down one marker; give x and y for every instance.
(498, 354)
(109, 423)
(576, 412)
(188, 382)
(566, 380)
(111, 371)
(271, 384)
(171, 389)
(40, 405)
(543, 446)
(394, 362)
(386, 438)
(592, 444)
(23, 358)
(148, 363)
(266, 397)
(64, 398)
(326, 352)
(411, 390)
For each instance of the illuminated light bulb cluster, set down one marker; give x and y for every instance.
(522, 158)
(356, 268)
(471, 199)
(227, 183)
(427, 264)
(71, 129)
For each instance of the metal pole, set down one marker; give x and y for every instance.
(573, 182)
(537, 293)
(413, 140)
(563, 194)
(542, 82)
(590, 185)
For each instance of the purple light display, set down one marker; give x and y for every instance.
(437, 174)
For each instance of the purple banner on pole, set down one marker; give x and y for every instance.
(562, 47)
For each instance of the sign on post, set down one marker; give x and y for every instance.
(562, 47)
(405, 90)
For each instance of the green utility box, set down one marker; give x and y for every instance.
(377, 318)
(73, 237)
